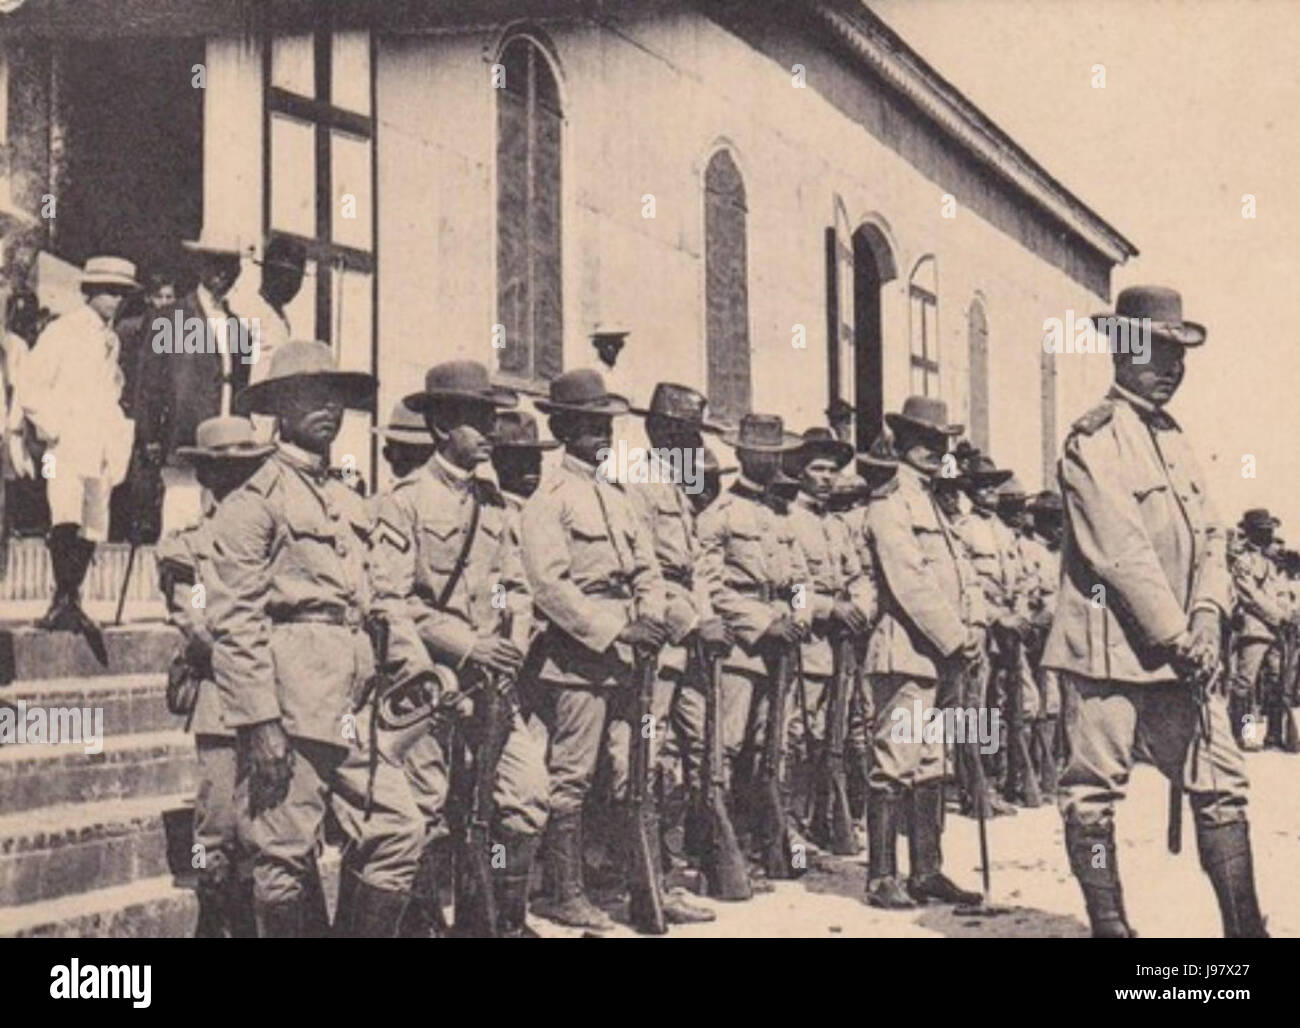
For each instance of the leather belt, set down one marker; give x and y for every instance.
(765, 591)
(341, 616)
(612, 588)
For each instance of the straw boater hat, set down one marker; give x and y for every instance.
(1162, 305)
(1257, 518)
(927, 413)
(301, 361)
(680, 403)
(582, 391)
(820, 442)
(459, 380)
(109, 271)
(762, 433)
(516, 430)
(405, 426)
(224, 438)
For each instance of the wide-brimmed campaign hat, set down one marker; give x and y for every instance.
(1047, 504)
(216, 244)
(1011, 493)
(821, 442)
(1161, 306)
(284, 252)
(517, 430)
(405, 426)
(880, 455)
(762, 433)
(224, 438)
(979, 470)
(680, 403)
(1257, 518)
(301, 361)
(927, 413)
(582, 391)
(459, 380)
(109, 271)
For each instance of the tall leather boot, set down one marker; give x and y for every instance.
(568, 903)
(213, 894)
(677, 909)
(1102, 894)
(239, 905)
(64, 558)
(927, 880)
(375, 913)
(510, 885)
(285, 919)
(1226, 858)
(1045, 730)
(424, 918)
(883, 889)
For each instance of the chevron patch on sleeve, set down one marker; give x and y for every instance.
(385, 532)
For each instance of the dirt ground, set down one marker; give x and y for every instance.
(1167, 896)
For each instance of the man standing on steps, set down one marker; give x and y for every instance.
(72, 385)
(1137, 632)
(225, 454)
(920, 638)
(287, 607)
(595, 579)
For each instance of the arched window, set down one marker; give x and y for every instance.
(977, 335)
(529, 127)
(726, 290)
(923, 293)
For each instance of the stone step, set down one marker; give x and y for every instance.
(29, 576)
(27, 653)
(131, 703)
(71, 848)
(126, 766)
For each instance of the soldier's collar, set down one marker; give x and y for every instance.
(810, 503)
(457, 478)
(312, 464)
(578, 466)
(1149, 412)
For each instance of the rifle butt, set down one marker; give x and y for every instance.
(1174, 836)
(645, 901)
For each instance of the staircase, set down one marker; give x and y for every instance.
(94, 843)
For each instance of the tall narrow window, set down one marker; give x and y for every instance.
(923, 293)
(726, 290)
(529, 125)
(977, 334)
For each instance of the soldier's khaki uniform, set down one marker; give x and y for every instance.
(758, 573)
(289, 591)
(419, 536)
(1043, 567)
(592, 571)
(1259, 606)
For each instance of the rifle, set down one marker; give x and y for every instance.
(646, 904)
(475, 900)
(726, 876)
(774, 830)
(832, 821)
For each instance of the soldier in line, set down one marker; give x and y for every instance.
(919, 639)
(1141, 535)
(407, 442)
(445, 573)
(675, 421)
(1043, 563)
(1259, 616)
(595, 579)
(225, 454)
(842, 602)
(711, 475)
(289, 592)
(754, 563)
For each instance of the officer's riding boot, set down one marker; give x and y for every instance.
(284, 919)
(927, 880)
(883, 889)
(1226, 858)
(64, 557)
(214, 895)
(424, 918)
(1102, 894)
(510, 885)
(1028, 785)
(1045, 727)
(568, 903)
(376, 912)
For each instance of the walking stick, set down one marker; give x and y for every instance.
(985, 908)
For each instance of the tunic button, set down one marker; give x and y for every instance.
(332, 513)
(341, 548)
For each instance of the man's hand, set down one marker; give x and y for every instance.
(714, 635)
(496, 654)
(970, 650)
(270, 764)
(1014, 623)
(643, 634)
(847, 614)
(784, 631)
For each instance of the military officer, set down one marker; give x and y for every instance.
(1144, 591)
(760, 582)
(444, 567)
(289, 591)
(225, 454)
(594, 577)
(1260, 615)
(919, 638)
